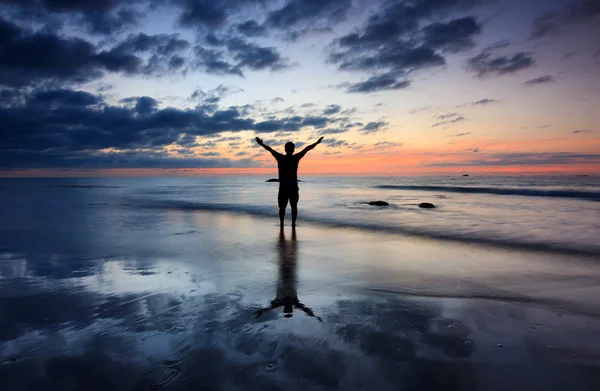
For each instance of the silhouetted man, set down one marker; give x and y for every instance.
(288, 176)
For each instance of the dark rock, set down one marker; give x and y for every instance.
(465, 174)
(426, 205)
(379, 203)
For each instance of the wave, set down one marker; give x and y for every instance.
(469, 237)
(589, 195)
(86, 187)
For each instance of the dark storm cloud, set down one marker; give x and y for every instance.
(449, 122)
(65, 97)
(9, 97)
(539, 80)
(401, 38)
(453, 36)
(28, 58)
(143, 104)
(297, 15)
(374, 127)
(378, 83)
(102, 160)
(96, 16)
(332, 109)
(231, 55)
(204, 13)
(59, 128)
(486, 64)
(576, 12)
(251, 28)
(164, 44)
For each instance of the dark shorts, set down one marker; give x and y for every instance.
(288, 193)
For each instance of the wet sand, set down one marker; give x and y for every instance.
(206, 300)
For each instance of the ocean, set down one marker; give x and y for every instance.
(553, 213)
(187, 283)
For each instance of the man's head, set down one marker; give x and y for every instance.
(289, 148)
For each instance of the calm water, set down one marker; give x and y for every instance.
(552, 213)
(154, 284)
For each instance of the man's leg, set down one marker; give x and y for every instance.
(281, 216)
(282, 200)
(294, 204)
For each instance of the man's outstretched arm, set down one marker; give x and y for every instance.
(308, 148)
(265, 146)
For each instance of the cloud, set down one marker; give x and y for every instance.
(539, 80)
(387, 144)
(231, 55)
(205, 13)
(374, 127)
(446, 116)
(378, 83)
(576, 12)
(332, 109)
(453, 36)
(95, 16)
(209, 99)
(544, 126)
(64, 97)
(400, 39)
(143, 104)
(29, 58)
(525, 159)
(449, 122)
(210, 154)
(484, 64)
(334, 143)
(296, 16)
(484, 101)
(459, 134)
(331, 131)
(581, 131)
(251, 28)
(54, 127)
(420, 109)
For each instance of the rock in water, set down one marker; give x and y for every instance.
(465, 174)
(272, 180)
(426, 205)
(379, 203)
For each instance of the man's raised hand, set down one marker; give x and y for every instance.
(259, 141)
(321, 139)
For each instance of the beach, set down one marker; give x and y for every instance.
(125, 284)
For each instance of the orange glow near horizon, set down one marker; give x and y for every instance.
(450, 159)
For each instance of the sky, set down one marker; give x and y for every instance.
(395, 87)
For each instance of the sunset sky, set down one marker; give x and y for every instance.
(406, 87)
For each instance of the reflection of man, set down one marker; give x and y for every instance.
(287, 295)
(288, 176)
